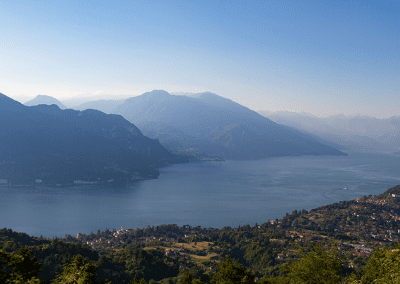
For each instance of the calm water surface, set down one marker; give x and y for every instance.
(209, 194)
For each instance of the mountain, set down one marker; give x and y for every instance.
(106, 106)
(214, 126)
(80, 100)
(45, 100)
(189, 114)
(352, 132)
(60, 146)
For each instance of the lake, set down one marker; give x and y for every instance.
(209, 194)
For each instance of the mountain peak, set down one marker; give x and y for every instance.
(157, 94)
(44, 97)
(45, 100)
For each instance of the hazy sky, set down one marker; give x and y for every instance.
(322, 57)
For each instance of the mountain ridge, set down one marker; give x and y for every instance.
(201, 116)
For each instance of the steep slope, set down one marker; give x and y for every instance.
(45, 100)
(188, 114)
(209, 117)
(44, 142)
(181, 143)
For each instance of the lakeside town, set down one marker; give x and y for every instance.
(353, 228)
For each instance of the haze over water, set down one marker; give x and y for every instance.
(209, 194)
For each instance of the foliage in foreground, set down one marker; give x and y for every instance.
(80, 270)
(19, 268)
(383, 267)
(315, 266)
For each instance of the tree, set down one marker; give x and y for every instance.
(5, 266)
(232, 273)
(315, 267)
(135, 281)
(20, 268)
(383, 266)
(79, 271)
(187, 278)
(26, 267)
(148, 264)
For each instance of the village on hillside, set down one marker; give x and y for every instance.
(354, 228)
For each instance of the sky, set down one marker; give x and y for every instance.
(320, 57)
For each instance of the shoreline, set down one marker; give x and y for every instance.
(379, 200)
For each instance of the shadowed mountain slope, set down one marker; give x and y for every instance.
(45, 142)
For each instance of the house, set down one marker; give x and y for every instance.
(190, 235)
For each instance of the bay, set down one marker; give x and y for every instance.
(210, 194)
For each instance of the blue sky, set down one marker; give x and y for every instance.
(321, 57)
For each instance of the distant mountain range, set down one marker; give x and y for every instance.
(340, 132)
(348, 132)
(45, 100)
(106, 106)
(47, 144)
(208, 125)
(79, 100)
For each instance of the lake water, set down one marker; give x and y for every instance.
(209, 194)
